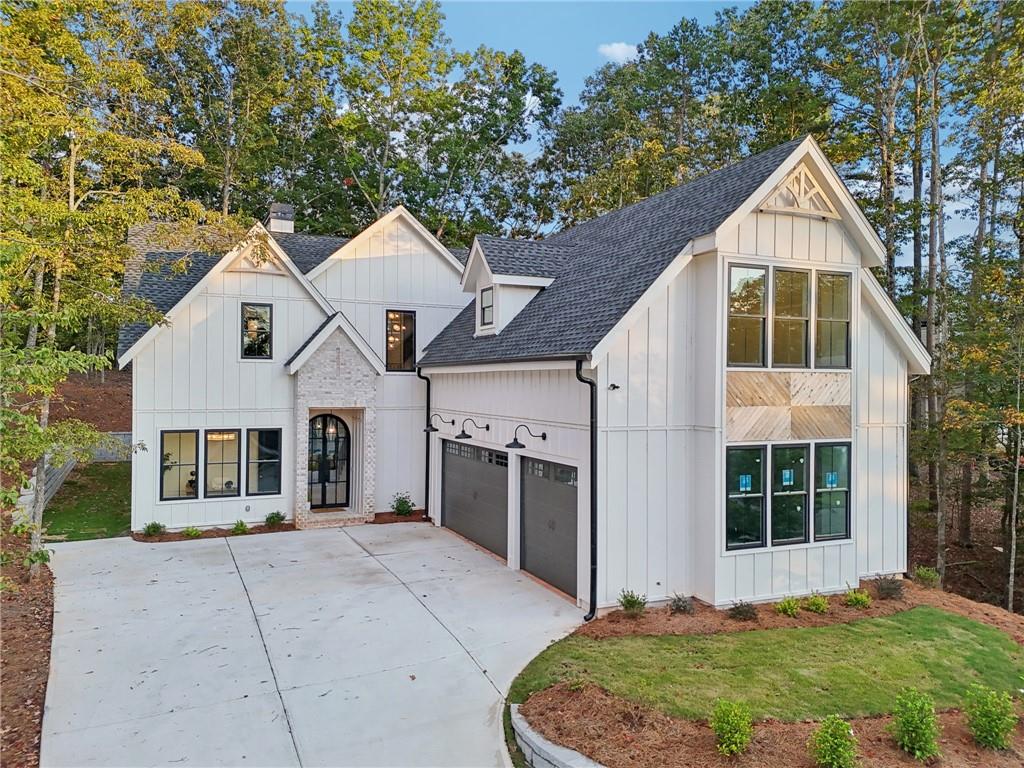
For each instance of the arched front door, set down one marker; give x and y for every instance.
(329, 465)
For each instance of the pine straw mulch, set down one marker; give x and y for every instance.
(107, 405)
(417, 516)
(211, 533)
(26, 615)
(621, 734)
(708, 621)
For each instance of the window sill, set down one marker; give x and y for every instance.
(787, 547)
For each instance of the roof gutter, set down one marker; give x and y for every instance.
(593, 487)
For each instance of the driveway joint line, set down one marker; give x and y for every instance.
(270, 663)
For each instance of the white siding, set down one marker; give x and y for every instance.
(784, 236)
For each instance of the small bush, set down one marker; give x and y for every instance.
(732, 725)
(889, 588)
(914, 725)
(816, 603)
(632, 603)
(788, 606)
(239, 528)
(401, 504)
(192, 532)
(857, 598)
(926, 577)
(6, 585)
(681, 604)
(274, 519)
(990, 717)
(36, 556)
(5, 558)
(154, 528)
(743, 611)
(833, 745)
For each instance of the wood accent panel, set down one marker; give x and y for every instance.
(758, 422)
(817, 388)
(787, 405)
(753, 388)
(815, 422)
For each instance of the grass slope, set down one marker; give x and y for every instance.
(790, 674)
(93, 503)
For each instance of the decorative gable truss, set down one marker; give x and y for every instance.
(800, 194)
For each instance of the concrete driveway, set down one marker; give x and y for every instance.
(371, 645)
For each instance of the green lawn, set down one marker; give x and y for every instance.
(790, 674)
(93, 503)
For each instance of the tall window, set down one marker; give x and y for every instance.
(792, 305)
(179, 465)
(401, 340)
(256, 332)
(790, 466)
(222, 462)
(487, 306)
(263, 462)
(832, 342)
(745, 507)
(832, 491)
(748, 311)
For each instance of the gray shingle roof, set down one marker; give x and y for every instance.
(312, 336)
(616, 258)
(308, 251)
(530, 258)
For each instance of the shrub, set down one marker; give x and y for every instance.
(788, 606)
(154, 528)
(192, 532)
(743, 611)
(5, 558)
(990, 717)
(733, 729)
(274, 519)
(833, 745)
(36, 556)
(401, 504)
(681, 604)
(632, 603)
(816, 603)
(889, 588)
(239, 527)
(6, 585)
(857, 598)
(914, 725)
(926, 577)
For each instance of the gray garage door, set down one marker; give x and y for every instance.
(474, 495)
(548, 527)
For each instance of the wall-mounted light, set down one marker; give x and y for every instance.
(613, 387)
(464, 435)
(430, 423)
(515, 444)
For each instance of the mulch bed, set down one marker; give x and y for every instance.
(618, 734)
(418, 516)
(26, 613)
(708, 621)
(211, 533)
(107, 405)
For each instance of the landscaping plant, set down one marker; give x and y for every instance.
(401, 504)
(889, 588)
(632, 603)
(816, 603)
(34, 556)
(239, 528)
(833, 745)
(192, 532)
(914, 725)
(742, 611)
(926, 577)
(990, 716)
(154, 528)
(274, 519)
(788, 606)
(857, 598)
(732, 725)
(681, 604)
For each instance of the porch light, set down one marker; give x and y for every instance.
(515, 444)
(464, 435)
(430, 423)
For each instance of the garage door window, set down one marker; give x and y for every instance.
(556, 473)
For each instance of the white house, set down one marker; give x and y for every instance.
(703, 393)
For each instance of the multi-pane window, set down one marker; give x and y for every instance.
(832, 342)
(832, 491)
(745, 504)
(792, 304)
(401, 340)
(748, 311)
(263, 462)
(179, 465)
(487, 306)
(257, 342)
(790, 466)
(222, 462)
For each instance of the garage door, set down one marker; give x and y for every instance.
(474, 495)
(548, 526)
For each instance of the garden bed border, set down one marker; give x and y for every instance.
(541, 753)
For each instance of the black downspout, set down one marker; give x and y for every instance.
(593, 488)
(426, 461)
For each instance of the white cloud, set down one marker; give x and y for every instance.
(620, 53)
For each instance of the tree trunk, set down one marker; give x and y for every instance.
(935, 318)
(918, 392)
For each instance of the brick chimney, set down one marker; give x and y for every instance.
(281, 218)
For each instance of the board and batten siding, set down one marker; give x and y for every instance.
(394, 267)
(191, 376)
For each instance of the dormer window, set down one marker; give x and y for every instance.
(487, 307)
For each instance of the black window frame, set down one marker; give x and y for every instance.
(848, 445)
(489, 308)
(249, 461)
(809, 324)
(270, 329)
(765, 318)
(763, 448)
(818, 274)
(806, 493)
(206, 464)
(163, 467)
(402, 341)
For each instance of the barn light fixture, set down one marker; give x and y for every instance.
(515, 444)
(464, 435)
(613, 387)
(430, 423)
